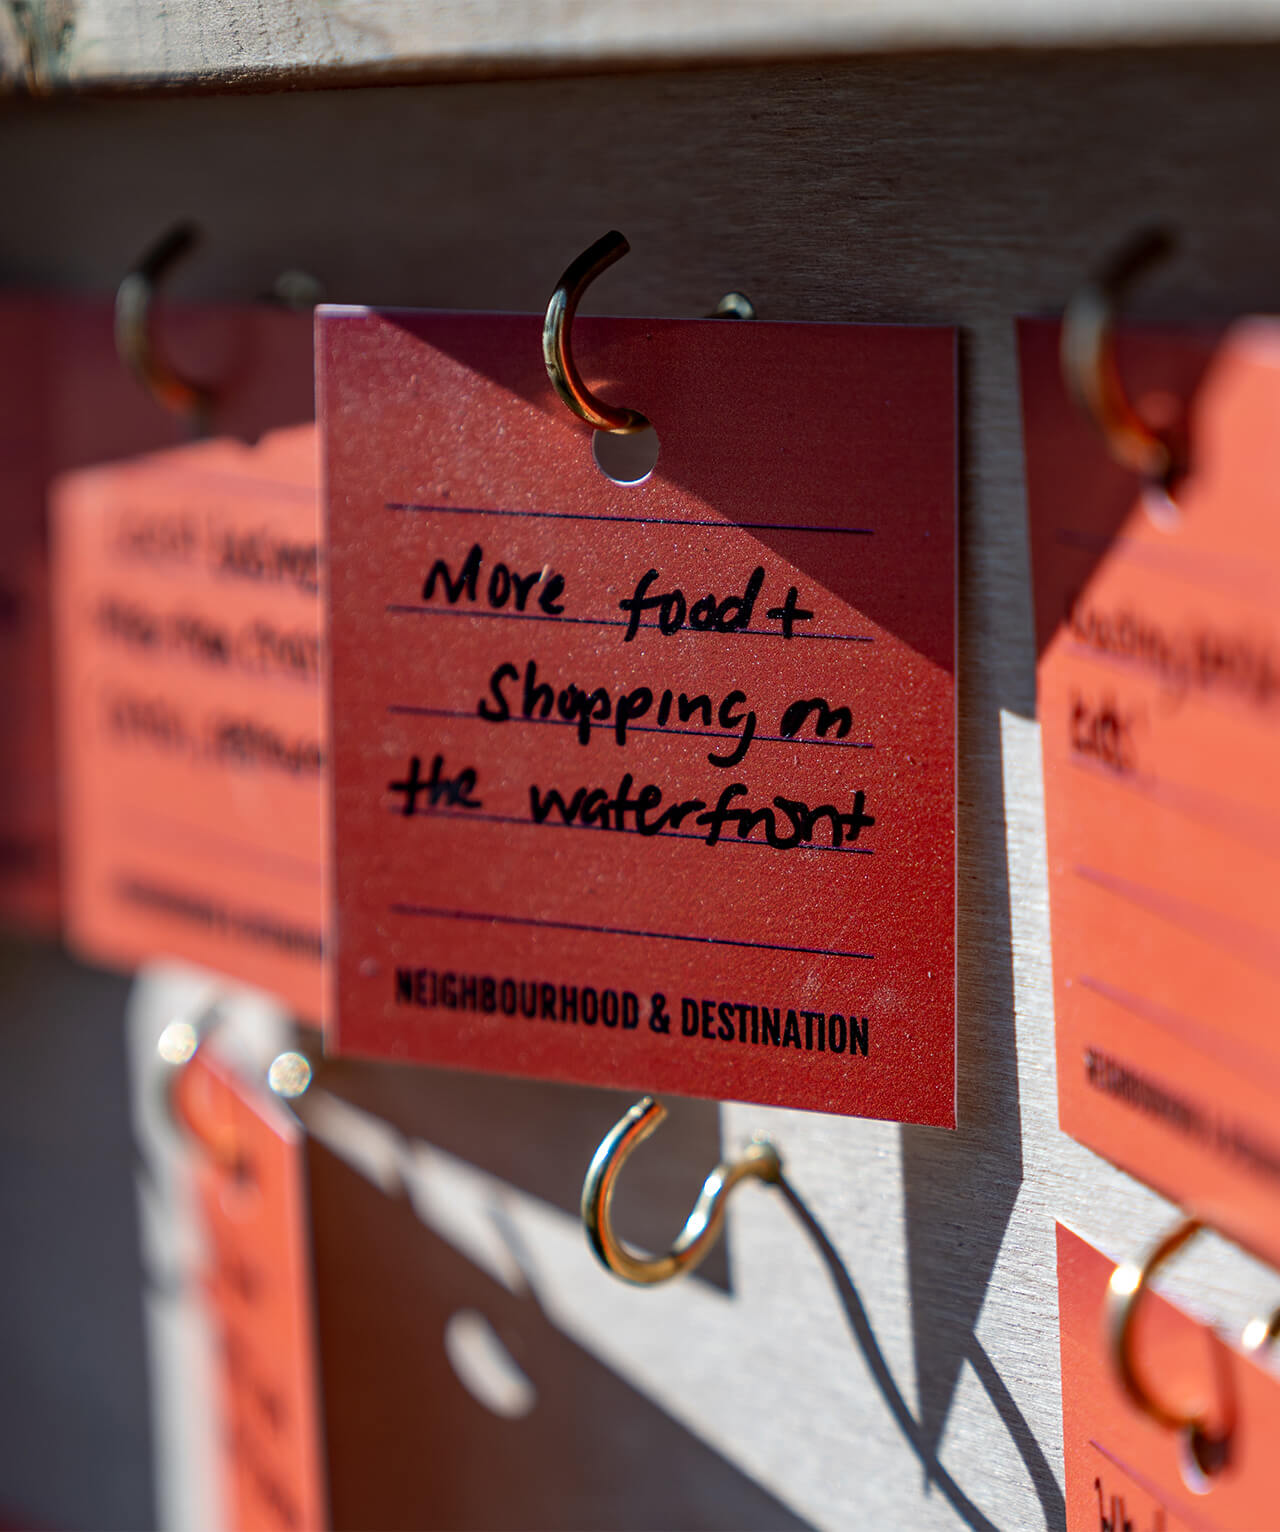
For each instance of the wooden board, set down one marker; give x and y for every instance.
(961, 189)
(57, 44)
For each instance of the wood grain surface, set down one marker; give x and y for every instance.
(894, 1361)
(58, 44)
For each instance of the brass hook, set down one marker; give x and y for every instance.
(561, 369)
(1128, 1283)
(135, 342)
(1090, 369)
(702, 1227)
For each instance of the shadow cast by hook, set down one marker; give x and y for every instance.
(1048, 1491)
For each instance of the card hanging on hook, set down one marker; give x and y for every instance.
(191, 720)
(66, 405)
(1159, 698)
(188, 664)
(250, 1172)
(646, 780)
(1127, 1470)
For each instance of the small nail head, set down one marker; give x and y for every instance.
(178, 1042)
(289, 1075)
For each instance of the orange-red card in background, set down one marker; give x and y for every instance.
(253, 1194)
(188, 634)
(65, 402)
(1159, 703)
(28, 798)
(512, 891)
(1124, 1473)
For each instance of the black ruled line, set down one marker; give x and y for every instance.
(635, 521)
(632, 728)
(429, 912)
(560, 824)
(405, 608)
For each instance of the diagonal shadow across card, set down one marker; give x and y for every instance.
(811, 448)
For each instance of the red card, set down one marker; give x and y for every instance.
(65, 402)
(1159, 701)
(28, 799)
(189, 694)
(648, 785)
(1124, 1472)
(253, 1200)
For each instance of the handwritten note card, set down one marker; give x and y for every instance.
(253, 1201)
(1124, 1473)
(67, 403)
(647, 784)
(189, 696)
(1159, 701)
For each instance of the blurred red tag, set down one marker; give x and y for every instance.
(1159, 702)
(66, 402)
(253, 1200)
(651, 784)
(189, 697)
(1124, 1472)
(28, 795)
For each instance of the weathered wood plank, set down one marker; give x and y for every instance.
(48, 45)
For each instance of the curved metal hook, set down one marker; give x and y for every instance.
(702, 1227)
(1128, 1283)
(1092, 373)
(564, 375)
(135, 342)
